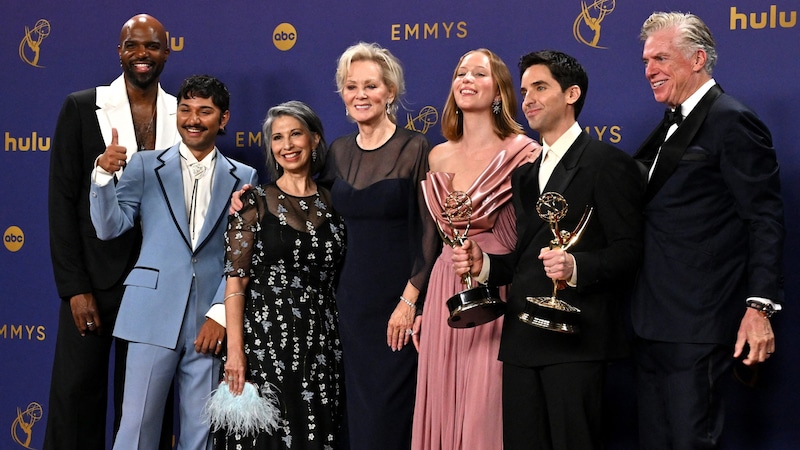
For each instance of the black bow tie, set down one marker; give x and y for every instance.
(675, 117)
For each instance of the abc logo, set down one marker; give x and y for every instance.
(284, 36)
(13, 238)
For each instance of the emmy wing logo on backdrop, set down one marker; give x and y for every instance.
(30, 45)
(428, 116)
(589, 21)
(22, 427)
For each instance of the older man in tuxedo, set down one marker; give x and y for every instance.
(711, 276)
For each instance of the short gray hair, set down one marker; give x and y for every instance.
(692, 31)
(310, 121)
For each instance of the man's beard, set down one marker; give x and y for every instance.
(142, 80)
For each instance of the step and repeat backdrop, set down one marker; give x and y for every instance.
(270, 52)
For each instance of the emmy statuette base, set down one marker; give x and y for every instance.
(552, 314)
(474, 307)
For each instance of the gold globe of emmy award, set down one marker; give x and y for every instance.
(552, 313)
(475, 305)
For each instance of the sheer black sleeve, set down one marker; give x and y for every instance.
(240, 238)
(425, 238)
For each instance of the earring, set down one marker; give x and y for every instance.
(277, 167)
(314, 155)
(496, 106)
(346, 112)
(458, 111)
(389, 109)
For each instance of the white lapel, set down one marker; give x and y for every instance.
(166, 128)
(115, 112)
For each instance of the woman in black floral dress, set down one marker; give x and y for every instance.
(283, 255)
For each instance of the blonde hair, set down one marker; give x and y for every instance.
(391, 70)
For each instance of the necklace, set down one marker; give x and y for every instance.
(144, 134)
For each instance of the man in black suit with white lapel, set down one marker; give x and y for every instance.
(553, 382)
(89, 272)
(711, 275)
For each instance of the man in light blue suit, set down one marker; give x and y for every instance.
(172, 312)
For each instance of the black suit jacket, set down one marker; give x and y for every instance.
(595, 174)
(714, 229)
(81, 261)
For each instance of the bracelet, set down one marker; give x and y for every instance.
(405, 300)
(766, 309)
(234, 294)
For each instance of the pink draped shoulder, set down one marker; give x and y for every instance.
(490, 191)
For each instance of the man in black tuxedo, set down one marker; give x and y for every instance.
(89, 273)
(552, 381)
(711, 275)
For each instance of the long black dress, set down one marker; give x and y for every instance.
(291, 248)
(390, 240)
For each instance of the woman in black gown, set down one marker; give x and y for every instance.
(284, 251)
(392, 244)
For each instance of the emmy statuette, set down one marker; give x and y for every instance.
(552, 313)
(475, 305)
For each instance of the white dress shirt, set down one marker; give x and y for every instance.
(198, 177)
(686, 107)
(551, 155)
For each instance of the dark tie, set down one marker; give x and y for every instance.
(670, 117)
(675, 117)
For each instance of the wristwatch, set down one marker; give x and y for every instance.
(767, 309)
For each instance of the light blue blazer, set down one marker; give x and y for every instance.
(157, 289)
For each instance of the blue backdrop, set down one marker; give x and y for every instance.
(269, 52)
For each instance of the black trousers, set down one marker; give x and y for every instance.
(553, 407)
(77, 405)
(679, 394)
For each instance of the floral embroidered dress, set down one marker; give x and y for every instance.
(291, 248)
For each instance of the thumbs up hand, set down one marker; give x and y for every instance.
(114, 157)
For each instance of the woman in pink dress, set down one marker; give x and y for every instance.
(458, 400)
